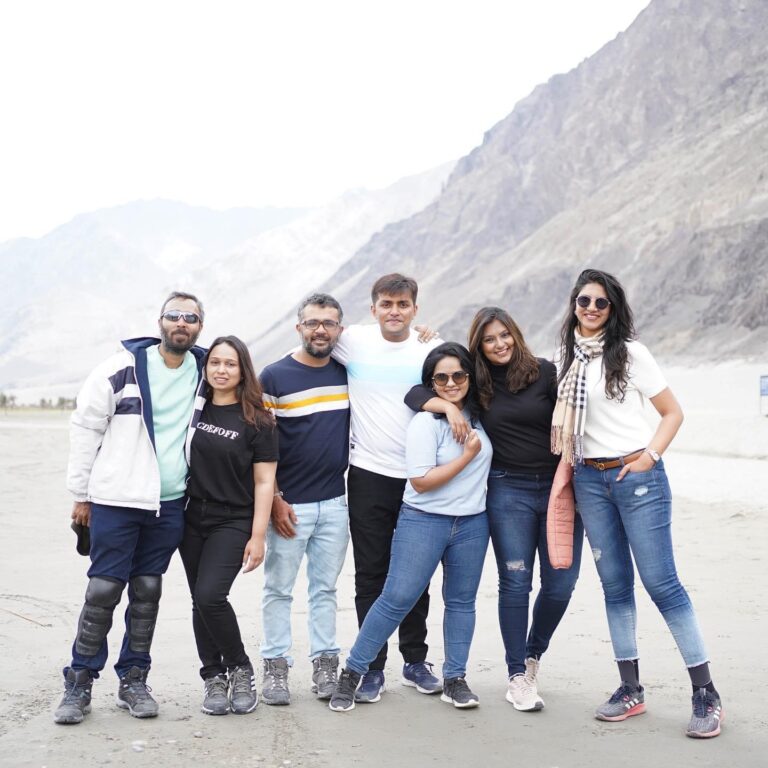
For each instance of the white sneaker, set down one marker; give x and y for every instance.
(521, 691)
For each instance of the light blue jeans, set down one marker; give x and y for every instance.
(421, 541)
(322, 532)
(633, 518)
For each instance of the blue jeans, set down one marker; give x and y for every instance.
(128, 542)
(633, 518)
(421, 541)
(322, 532)
(517, 515)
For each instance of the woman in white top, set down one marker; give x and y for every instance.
(621, 488)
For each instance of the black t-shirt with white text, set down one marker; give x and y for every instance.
(223, 451)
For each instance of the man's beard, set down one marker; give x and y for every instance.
(178, 348)
(316, 353)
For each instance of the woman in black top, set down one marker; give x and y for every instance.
(517, 393)
(232, 453)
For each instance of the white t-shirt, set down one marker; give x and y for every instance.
(616, 428)
(380, 373)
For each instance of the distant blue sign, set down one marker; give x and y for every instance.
(764, 386)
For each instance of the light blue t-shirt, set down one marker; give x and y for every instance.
(430, 443)
(173, 395)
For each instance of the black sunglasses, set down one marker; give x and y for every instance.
(601, 303)
(458, 377)
(174, 315)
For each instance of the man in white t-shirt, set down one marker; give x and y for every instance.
(383, 362)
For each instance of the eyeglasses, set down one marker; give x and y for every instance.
(457, 377)
(601, 303)
(313, 325)
(174, 315)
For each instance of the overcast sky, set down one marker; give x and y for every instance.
(250, 103)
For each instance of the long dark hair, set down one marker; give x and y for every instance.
(618, 330)
(522, 368)
(249, 391)
(452, 349)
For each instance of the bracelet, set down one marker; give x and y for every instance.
(278, 493)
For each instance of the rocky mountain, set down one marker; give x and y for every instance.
(67, 298)
(649, 160)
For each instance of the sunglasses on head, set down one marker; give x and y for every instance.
(174, 315)
(458, 377)
(585, 301)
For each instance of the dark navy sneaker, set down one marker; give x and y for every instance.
(76, 703)
(133, 694)
(707, 715)
(419, 676)
(343, 697)
(216, 698)
(625, 702)
(371, 687)
(457, 692)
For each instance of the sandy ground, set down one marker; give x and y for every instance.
(720, 477)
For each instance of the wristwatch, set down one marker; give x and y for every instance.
(653, 454)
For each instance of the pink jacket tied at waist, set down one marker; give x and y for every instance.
(561, 513)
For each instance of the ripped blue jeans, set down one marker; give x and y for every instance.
(630, 519)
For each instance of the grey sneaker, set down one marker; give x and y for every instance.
(343, 697)
(324, 674)
(133, 694)
(242, 689)
(76, 703)
(215, 701)
(625, 702)
(457, 692)
(707, 715)
(274, 688)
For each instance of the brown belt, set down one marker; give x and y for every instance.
(613, 463)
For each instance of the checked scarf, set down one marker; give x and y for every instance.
(571, 409)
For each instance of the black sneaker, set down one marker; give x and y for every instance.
(133, 694)
(457, 692)
(76, 703)
(242, 689)
(343, 698)
(216, 699)
(325, 670)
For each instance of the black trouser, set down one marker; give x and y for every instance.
(374, 504)
(212, 552)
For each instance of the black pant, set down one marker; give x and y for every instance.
(374, 504)
(212, 553)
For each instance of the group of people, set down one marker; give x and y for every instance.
(443, 448)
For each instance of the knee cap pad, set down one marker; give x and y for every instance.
(95, 621)
(143, 608)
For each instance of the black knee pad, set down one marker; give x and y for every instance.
(95, 620)
(143, 608)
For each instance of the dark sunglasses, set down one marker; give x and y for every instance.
(174, 315)
(458, 377)
(585, 301)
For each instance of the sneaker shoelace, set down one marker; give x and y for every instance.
(459, 686)
(73, 693)
(702, 705)
(216, 685)
(325, 668)
(242, 681)
(527, 686)
(279, 678)
(139, 689)
(623, 693)
(345, 685)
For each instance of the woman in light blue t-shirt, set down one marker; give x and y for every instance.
(442, 519)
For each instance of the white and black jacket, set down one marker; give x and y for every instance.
(112, 457)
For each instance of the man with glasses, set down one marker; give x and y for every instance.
(127, 472)
(383, 362)
(307, 392)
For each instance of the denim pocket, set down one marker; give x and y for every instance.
(496, 474)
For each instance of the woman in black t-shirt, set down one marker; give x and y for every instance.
(232, 452)
(517, 394)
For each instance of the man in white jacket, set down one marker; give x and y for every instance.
(127, 472)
